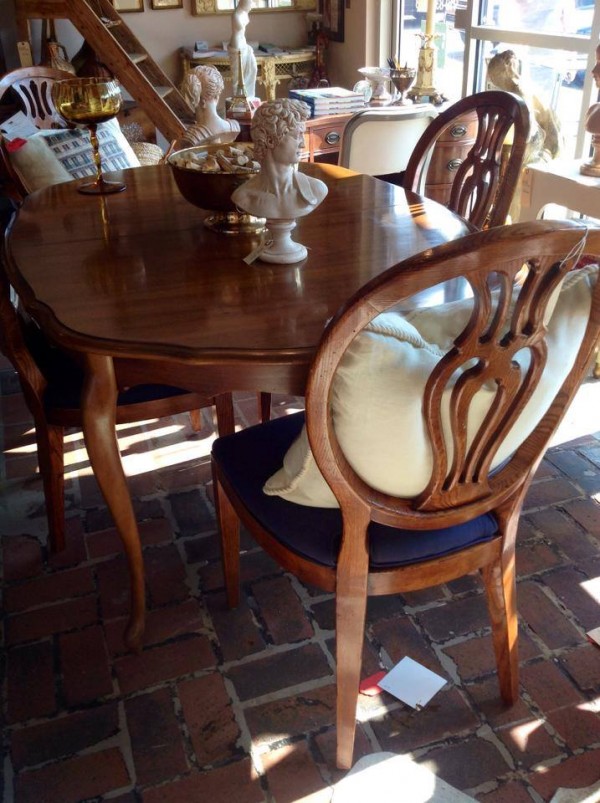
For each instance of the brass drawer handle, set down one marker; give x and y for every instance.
(458, 131)
(454, 164)
(332, 137)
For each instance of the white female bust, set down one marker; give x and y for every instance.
(279, 192)
(202, 88)
(238, 44)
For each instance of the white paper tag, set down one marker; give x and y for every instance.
(594, 635)
(19, 125)
(412, 683)
(254, 254)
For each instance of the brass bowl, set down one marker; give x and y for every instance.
(212, 191)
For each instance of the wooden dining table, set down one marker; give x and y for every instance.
(135, 279)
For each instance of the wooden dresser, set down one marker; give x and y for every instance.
(323, 137)
(451, 148)
(321, 140)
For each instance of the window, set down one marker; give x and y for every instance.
(553, 41)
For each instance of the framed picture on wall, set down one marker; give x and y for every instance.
(333, 19)
(158, 4)
(128, 5)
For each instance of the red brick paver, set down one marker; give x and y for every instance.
(238, 706)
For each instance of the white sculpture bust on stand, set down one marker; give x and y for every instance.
(202, 88)
(239, 45)
(279, 192)
(592, 124)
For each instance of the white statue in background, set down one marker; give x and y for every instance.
(279, 192)
(202, 88)
(239, 45)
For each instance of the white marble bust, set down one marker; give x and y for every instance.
(202, 88)
(279, 191)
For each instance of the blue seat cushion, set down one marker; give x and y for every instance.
(249, 457)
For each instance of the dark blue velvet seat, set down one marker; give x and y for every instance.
(248, 459)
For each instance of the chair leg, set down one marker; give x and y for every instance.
(229, 530)
(350, 613)
(196, 420)
(50, 446)
(264, 407)
(225, 414)
(501, 590)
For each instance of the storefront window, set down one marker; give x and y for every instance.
(449, 42)
(552, 41)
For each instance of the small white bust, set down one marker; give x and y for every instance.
(202, 88)
(279, 191)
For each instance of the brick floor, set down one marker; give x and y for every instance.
(239, 706)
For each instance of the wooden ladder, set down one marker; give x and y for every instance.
(124, 55)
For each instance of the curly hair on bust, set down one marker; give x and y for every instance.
(274, 120)
(202, 83)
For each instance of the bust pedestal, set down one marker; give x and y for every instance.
(282, 250)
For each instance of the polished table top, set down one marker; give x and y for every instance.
(138, 274)
(144, 292)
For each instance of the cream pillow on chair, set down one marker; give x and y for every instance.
(36, 166)
(378, 392)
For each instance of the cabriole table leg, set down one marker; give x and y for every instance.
(99, 405)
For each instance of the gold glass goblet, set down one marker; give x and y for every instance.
(88, 102)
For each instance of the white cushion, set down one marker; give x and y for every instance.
(378, 390)
(57, 155)
(36, 165)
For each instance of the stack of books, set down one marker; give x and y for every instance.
(329, 100)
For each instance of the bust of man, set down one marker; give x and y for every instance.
(279, 191)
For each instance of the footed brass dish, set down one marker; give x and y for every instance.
(206, 175)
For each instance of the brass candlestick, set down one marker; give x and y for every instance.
(424, 86)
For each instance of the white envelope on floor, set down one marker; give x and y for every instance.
(412, 683)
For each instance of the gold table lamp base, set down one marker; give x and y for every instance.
(424, 86)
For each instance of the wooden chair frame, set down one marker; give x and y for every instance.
(484, 182)
(460, 489)
(33, 88)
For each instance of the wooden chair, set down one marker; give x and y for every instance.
(32, 88)
(483, 181)
(52, 382)
(465, 518)
(379, 142)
